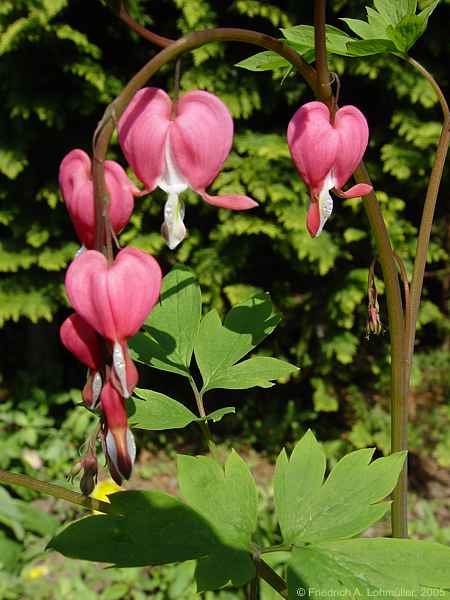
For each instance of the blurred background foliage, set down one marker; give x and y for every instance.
(61, 63)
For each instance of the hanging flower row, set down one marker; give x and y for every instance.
(173, 146)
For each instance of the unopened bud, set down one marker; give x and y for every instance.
(374, 324)
(90, 470)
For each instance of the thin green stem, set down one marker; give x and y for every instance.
(428, 211)
(323, 74)
(159, 40)
(54, 490)
(203, 424)
(399, 414)
(253, 592)
(387, 261)
(423, 240)
(278, 548)
(271, 577)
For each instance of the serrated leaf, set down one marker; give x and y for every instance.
(347, 503)
(361, 28)
(369, 47)
(171, 328)
(407, 32)
(393, 11)
(263, 61)
(365, 568)
(226, 498)
(217, 415)
(150, 528)
(218, 346)
(302, 36)
(155, 411)
(258, 371)
(296, 480)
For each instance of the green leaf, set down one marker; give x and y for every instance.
(394, 11)
(150, 528)
(347, 503)
(37, 520)
(365, 568)
(323, 397)
(361, 28)
(296, 481)
(426, 12)
(9, 553)
(10, 514)
(369, 47)
(263, 61)
(258, 371)
(219, 346)
(302, 36)
(171, 328)
(226, 498)
(217, 415)
(155, 411)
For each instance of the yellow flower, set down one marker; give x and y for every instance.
(103, 489)
(36, 572)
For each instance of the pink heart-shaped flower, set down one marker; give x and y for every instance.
(114, 299)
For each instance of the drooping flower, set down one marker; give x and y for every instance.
(77, 188)
(326, 155)
(176, 147)
(118, 441)
(115, 300)
(85, 343)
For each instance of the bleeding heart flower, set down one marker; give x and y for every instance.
(326, 155)
(176, 147)
(115, 300)
(77, 189)
(118, 441)
(85, 343)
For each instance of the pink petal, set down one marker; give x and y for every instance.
(83, 341)
(353, 132)
(120, 448)
(114, 299)
(360, 189)
(200, 137)
(143, 129)
(78, 192)
(313, 143)
(313, 219)
(233, 202)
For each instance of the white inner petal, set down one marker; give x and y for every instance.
(131, 446)
(173, 229)
(171, 180)
(325, 200)
(120, 368)
(111, 449)
(80, 251)
(96, 388)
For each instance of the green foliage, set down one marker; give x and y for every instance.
(174, 331)
(346, 504)
(156, 411)
(366, 567)
(216, 523)
(226, 498)
(60, 69)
